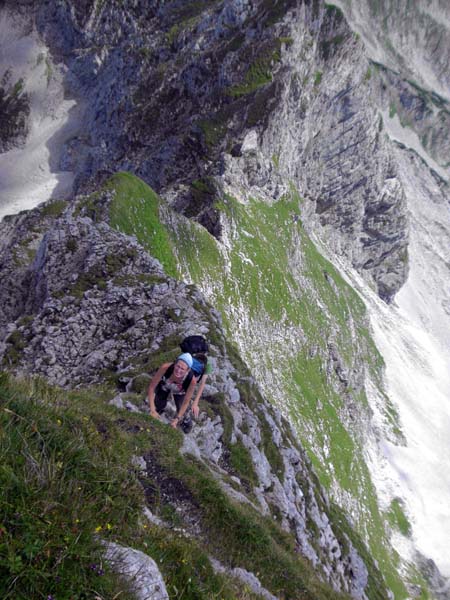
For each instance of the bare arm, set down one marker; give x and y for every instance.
(152, 387)
(195, 408)
(186, 401)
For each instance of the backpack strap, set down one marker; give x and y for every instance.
(187, 380)
(168, 371)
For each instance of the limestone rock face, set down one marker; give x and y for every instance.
(409, 37)
(89, 301)
(238, 97)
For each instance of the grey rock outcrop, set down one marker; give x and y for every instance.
(139, 569)
(187, 87)
(89, 302)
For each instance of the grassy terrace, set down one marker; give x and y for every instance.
(67, 481)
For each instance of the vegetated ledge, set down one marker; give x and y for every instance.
(74, 483)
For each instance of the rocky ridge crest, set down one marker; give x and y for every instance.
(67, 323)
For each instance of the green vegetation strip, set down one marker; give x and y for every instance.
(67, 481)
(134, 210)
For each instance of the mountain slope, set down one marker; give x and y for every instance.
(68, 333)
(262, 127)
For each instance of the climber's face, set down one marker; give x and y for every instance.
(180, 369)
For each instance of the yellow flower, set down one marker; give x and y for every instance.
(59, 421)
(108, 526)
(98, 528)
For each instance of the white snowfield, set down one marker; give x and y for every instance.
(30, 175)
(413, 336)
(417, 355)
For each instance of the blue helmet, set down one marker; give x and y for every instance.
(187, 358)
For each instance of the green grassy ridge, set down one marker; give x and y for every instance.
(268, 277)
(134, 210)
(67, 479)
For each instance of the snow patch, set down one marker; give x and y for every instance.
(413, 336)
(31, 175)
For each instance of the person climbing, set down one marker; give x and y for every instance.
(176, 378)
(201, 369)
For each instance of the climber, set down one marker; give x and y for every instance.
(201, 368)
(177, 378)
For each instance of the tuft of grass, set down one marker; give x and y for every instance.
(241, 462)
(16, 343)
(54, 209)
(398, 519)
(259, 73)
(62, 488)
(18, 88)
(135, 210)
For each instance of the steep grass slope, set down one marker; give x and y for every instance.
(302, 331)
(70, 482)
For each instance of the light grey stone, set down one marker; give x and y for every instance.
(139, 569)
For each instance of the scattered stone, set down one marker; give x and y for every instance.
(139, 569)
